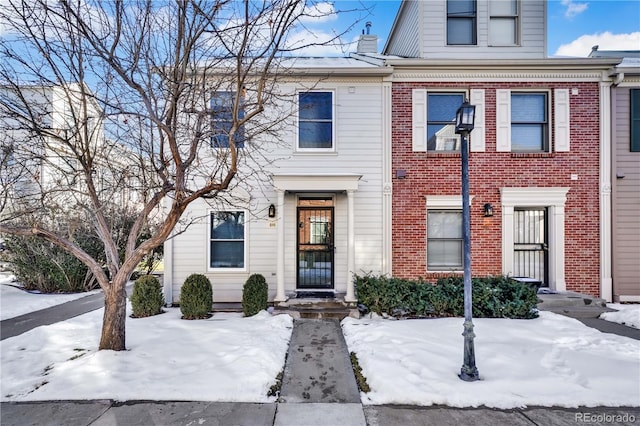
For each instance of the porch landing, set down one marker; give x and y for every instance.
(309, 305)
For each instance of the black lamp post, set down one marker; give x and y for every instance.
(465, 117)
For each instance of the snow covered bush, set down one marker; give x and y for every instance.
(196, 297)
(146, 299)
(254, 295)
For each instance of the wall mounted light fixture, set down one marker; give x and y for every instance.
(488, 210)
(272, 211)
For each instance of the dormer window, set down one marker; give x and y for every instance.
(503, 22)
(461, 22)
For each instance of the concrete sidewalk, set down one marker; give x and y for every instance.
(147, 413)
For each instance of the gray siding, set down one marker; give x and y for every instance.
(625, 201)
(431, 21)
(405, 40)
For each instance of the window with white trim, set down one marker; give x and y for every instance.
(315, 121)
(444, 240)
(227, 240)
(222, 120)
(461, 22)
(523, 121)
(529, 122)
(441, 121)
(503, 22)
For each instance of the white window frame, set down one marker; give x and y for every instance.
(516, 20)
(441, 202)
(333, 122)
(245, 240)
(419, 100)
(559, 121)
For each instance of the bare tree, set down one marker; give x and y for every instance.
(140, 101)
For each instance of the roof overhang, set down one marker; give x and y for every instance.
(328, 182)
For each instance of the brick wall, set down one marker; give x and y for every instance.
(439, 174)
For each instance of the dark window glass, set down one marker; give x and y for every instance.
(315, 120)
(461, 22)
(227, 239)
(441, 120)
(222, 120)
(635, 120)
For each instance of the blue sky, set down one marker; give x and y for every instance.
(574, 26)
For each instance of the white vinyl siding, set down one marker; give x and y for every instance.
(405, 40)
(358, 128)
(420, 113)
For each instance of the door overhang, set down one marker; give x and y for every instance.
(320, 182)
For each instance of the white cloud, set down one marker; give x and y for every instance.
(581, 46)
(573, 9)
(319, 13)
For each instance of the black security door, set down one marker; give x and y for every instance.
(530, 257)
(315, 248)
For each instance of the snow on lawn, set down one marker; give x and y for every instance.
(628, 315)
(224, 358)
(549, 361)
(15, 302)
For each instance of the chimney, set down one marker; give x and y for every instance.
(367, 43)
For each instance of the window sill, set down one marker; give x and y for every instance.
(436, 154)
(533, 154)
(315, 153)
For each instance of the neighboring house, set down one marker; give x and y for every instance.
(625, 174)
(320, 213)
(39, 166)
(535, 159)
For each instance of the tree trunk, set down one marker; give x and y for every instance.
(115, 315)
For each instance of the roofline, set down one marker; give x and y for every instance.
(341, 72)
(403, 4)
(530, 64)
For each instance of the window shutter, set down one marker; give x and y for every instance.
(477, 135)
(561, 120)
(503, 120)
(419, 120)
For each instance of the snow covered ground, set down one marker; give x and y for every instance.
(552, 360)
(15, 302)
(627, 314)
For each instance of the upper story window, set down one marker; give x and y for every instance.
(503, 22)
(227, 240)
(529, 122)
(441, 119)
(461, 22)
(635, 120)
(315, 121)
(222, 120)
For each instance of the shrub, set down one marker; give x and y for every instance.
(43, 266)
(493, 297)
(254, 295)
(146, 299)
(196, 297)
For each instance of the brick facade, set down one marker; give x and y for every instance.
(439, 174)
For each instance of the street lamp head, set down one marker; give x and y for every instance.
(465, 117)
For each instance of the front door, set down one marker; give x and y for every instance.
(530, 257)
(315, 245)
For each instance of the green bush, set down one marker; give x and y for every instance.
(196, 297)
(492, 297)
(147, 299)
(254, 295)
(43, 266)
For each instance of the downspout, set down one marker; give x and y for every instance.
(606, 281)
